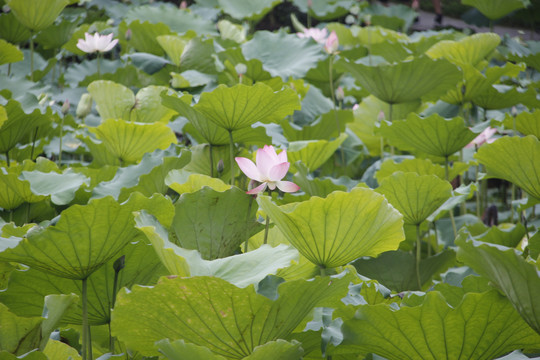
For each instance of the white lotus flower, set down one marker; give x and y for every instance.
(96, 42)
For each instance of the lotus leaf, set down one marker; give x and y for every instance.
(313, 153)
(467, 51)
(342, 227)
(514, 159)
(495, 9)
(210, 312)
(482, 326)
(37, 15)
(9, 53)
(415, 196)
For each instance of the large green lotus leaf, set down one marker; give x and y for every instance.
(415, 196)
(482, 326)
(505, 234)
(115, 101)
(530, 55)
(18, 335)
(129, 141)
(241, 270)
(37, 15)
(421, 167)
(366, 116)
(434, 134)
(20, 125)
(283, 54)
(241, 106)
(313, 153)
(12, 30)
(60, 187)
(325, 9)
(514, 159)
(340, 228)
(9, 53)
(142, 266)
(214, 222)
(183, 181)
(232, 31)
(467, 51)
(505, 267)
(252, 10)
(178, 20)
(397, 269)
(173, 45)
(144, 36)
(200, 54)
(83, 239)
(405, 81)
(495, 9)
(504, 96)
(328, 126)
(56, 36)
(208, 311)
(147, 177)
(527, 123)
(15, 192)
(56, 349)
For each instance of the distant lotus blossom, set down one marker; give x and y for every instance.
(483, 137)
(319, 35)
(269, 171)
(332, 43)
(96, 42)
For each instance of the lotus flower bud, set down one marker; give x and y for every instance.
(65, 107)
(241, 69)
(340, 94)
(183, 5)
(120, 263)
(381, 116)
(85, 106)
(220, 166)
(128, 34)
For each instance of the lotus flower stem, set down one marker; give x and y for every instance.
(9, 70)
(60, 145)
(86, 338)
(332, 93)
(266, 226)
(418, 255)
(247, 219)
(211, 160)
(31, 55)
(98, 65)
(34, 143)
(446, 173)
(231, 155)
(7, 158)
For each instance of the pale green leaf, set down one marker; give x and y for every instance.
(183, 181)
(18, 335)
(415, 196)
(482, 326)
(60, 187)
(421, 167)
(208, 311)
(467, 51)
(514, 159)
(173, 45)
(56, 349)
(342, 227)
(495, 9)
(314, 153)
(9, 53)
(37, 15)
(251, 10)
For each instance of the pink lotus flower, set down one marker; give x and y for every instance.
(483, 137)
(96, 42)
(269, 171)
(332, 43)
(319, 35)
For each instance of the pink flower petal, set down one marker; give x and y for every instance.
(279, 171)
(265, 162)
(257, 190)
(287, 186)
(282, 157)
(111, 45)
(269, 149)
(248, 167)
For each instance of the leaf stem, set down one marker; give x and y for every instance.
(34, 143)
(332, 93)
(266, 229)
(7, 158)
(86, 346)
(322, 268)
(98, 65)
(247, 219)
(418, 256)
(60, 146)
(31, 56)
(231, 155)
(211, 160)
(451, 211)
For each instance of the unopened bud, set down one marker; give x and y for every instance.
(381, 116)
(65, 107)
(85, 106)
(120, 263)
(514, 111)
(220, 166)
(128, 34)
(183, 5)
(340, 94)
(310, 3)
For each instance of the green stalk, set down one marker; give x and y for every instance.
(34, 143)
(323, 270)
(98, 65)
(7, 158)
(247, 219)
(390, 118)
(211, 161)
(31, 56)
(86, 346)
(118, 265)
(330, 76)
(418, 256)
(267, 225)
(446, 173)
(231, 156)
(60, 146)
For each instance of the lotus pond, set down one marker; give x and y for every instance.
(265, 179)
